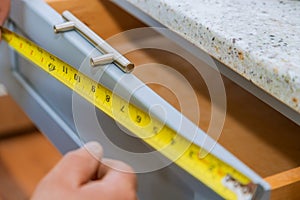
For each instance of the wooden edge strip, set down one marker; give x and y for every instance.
(284, 178)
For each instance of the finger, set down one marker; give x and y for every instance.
(110, 164)
(117, 179)
(4, 10)
(80, 166)
(116, 168)
(103, 170)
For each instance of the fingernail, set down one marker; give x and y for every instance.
(95, 149)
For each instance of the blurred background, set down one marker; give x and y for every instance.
(25, 154)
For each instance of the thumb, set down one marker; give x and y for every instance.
(80, 166)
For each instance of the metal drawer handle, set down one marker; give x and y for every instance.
(109, 53)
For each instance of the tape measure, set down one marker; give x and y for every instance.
(213, 172)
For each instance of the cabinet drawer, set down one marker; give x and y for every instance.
(258, 135)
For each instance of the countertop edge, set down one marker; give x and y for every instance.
(282, 86)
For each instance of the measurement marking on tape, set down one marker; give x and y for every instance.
(216, 174)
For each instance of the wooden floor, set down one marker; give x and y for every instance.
(25, 154)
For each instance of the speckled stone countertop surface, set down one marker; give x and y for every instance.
(259, 39)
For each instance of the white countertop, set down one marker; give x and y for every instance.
(259, 39)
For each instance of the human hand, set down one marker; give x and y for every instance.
(80, 175)
(4, 10)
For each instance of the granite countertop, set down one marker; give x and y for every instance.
(259, 39)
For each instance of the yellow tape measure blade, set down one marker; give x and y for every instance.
(213, 172)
